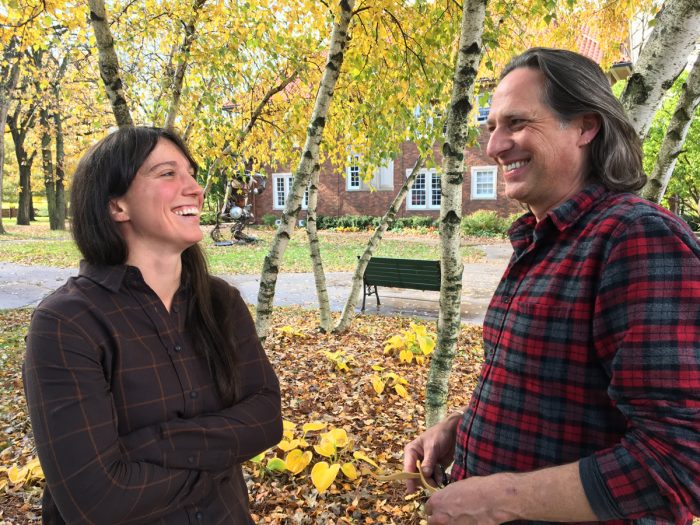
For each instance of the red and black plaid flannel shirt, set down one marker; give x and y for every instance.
(592, 353)
(127, 420)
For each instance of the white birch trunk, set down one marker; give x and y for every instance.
(183, 57)
(315, 249)
(449, 320)
(662, 59)
(109, 63)
(676, 133)
(307, 163)
(372, 245)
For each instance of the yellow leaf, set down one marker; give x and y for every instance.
(420, 359)
(258, 458)
(17, 475)
(419, 329)
(377, 384)
(3, 483)
(406, 356)
(313, 426)
(350, 471)
(339, 437)
(426, 344)
(401, 390)
(377, 368)
(296, 461)
(326, 448)
(323, 475)
(288, 445)
(288, 425)
(364, 457)
(288, 434)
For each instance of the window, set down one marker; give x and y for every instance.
(354, 182)
(425, 192)
(282, 183)
(484, 182)
(382, 179)
(483, 106)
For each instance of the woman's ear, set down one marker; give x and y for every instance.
(118, 211)
(590, 126)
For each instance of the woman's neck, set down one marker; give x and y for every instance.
(161, 272)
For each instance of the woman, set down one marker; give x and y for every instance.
(146, 383)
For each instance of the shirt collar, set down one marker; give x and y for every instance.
(110, 277)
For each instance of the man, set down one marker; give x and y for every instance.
(588, 404)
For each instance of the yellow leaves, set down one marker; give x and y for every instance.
(391, 379)
(296, 461)
(364, 457)
(290, 332)
(340, 359)
(331, 442)
(377, 384)
(287, 445)
(413, 344)
(323, 475)
(314, 426)
(19, 475)
(350, 471)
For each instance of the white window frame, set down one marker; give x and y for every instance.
(382, 178)
(476, 193)
(432, 183)
(286, 179)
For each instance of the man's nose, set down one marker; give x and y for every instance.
(499, 141)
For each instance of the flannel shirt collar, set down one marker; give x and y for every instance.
(110, 277)
(527, 228)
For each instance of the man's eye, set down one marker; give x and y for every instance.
(168, 174)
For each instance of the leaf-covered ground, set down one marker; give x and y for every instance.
(314, 389)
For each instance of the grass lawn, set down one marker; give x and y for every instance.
(38, 245)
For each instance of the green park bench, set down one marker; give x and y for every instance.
(415, 274)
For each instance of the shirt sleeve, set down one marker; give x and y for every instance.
(230, 436)
(647, 334)
(74, 423)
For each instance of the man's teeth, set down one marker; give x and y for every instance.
(515, 165)
(187, 211)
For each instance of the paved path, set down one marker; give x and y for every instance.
(22, 286)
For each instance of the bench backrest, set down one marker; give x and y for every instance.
(416, 274)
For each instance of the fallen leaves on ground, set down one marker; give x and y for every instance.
(314, 390)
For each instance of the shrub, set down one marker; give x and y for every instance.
(269, 219)
(486, 223)
(207, 218)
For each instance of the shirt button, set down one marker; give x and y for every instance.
(178, 348)
(194, 394)
(176, 308)
(190, 459)
(198, 515)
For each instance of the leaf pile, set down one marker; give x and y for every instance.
(314, 388)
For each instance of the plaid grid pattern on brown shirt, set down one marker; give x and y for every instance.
(127, 420)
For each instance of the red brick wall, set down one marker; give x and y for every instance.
(335, 200)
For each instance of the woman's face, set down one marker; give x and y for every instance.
(159, 213)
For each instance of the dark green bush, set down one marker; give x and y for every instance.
(269, 219)
(486, 223)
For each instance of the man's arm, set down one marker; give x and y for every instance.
(551, 494)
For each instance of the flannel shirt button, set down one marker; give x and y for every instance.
(194, 394)
(178, 348)
(176, 308)
(198, 515)
(190, 459)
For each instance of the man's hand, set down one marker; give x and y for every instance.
(433, 447)
(476, 500)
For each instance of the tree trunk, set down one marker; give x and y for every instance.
(60, 173)
(307, 163)
(183, 59)
(47, 167)
(315, 248)
(372, 245)
(449, 320)
(675, 136)
(18, 129)
(662, 59)
(109, 63)
(11, 73)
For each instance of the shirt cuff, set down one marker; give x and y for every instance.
(596, 490)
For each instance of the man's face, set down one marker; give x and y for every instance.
(544, 161)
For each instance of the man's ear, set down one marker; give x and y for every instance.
(118, 211)
(589, 126)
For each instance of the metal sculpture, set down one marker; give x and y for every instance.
(237, 208)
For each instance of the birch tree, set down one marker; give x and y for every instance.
(308, 162)
(673, 141)
(662, 59)
(109, 63)
(9, 71)
(468, 58)
(372, 245)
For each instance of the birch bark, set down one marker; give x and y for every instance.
(662, 59)
(315, 249)
(449, 320)
(307, 164)
(183, 56)
(372, 245)
(109, 63)
(674, 139)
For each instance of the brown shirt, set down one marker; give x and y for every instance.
(127, 420)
